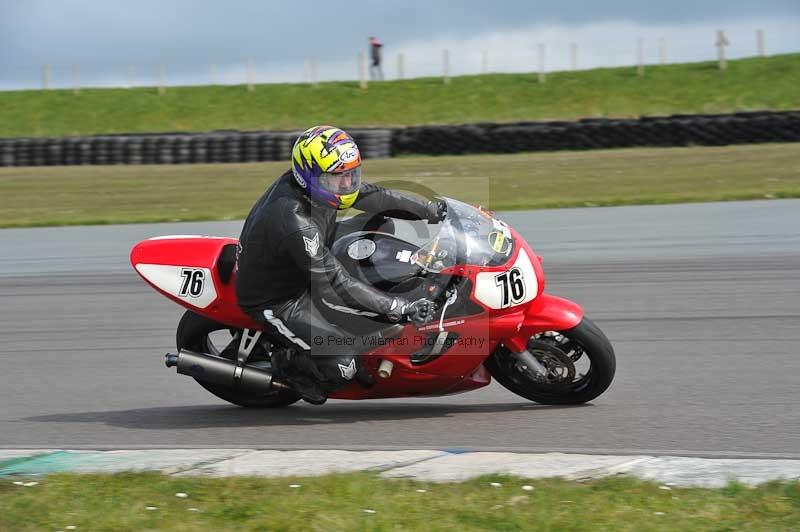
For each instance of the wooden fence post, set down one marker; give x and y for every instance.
(314, 72)
(362, 70)
(45, 77)
(161, 75)
(76, 79)
(446, 66)
(401, 66)
(573, 56)
(721, 43)
(760, 43)
(542, 50)
(640, 57)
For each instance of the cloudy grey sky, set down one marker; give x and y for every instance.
(106, 37)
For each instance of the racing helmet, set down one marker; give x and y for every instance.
(326, 163)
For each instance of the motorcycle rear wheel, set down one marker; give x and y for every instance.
(588, 341)
(194, 333)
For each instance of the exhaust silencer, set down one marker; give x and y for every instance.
(218, 370)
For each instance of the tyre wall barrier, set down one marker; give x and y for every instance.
(676, 130)
(173, 148)
(241, 147)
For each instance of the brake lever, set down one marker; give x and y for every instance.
(452, 295)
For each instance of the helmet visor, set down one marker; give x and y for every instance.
(341, 183)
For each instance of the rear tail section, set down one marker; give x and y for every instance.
(196, 272)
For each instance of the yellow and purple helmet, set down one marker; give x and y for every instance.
(327, 164)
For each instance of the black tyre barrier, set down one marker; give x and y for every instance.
(248, 148)
(132, 150)
(22, 152)
(98, 151)
(198, 147)
(70, 151)
(182, 152)
(233, 148)
(485, 137)
(6, 153)
(215, 149)
(266, 146)
(284, 142)
(678, 130)
(36, 152)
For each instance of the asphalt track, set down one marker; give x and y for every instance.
(702, 303)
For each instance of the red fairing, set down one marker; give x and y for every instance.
(459, 369)
(516, 324)
(546, 312)
(185, 269)
(179, 250)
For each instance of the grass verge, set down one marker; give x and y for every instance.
(41, 196)
(747, 84)
(365, 502)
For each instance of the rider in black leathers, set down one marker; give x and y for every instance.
(286, 269)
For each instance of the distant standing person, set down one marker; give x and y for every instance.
(375, 70)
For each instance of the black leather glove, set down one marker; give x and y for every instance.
(436, 210)
(418, 312)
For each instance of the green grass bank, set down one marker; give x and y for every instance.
(365, 502)
(768, 83)
(77, 195)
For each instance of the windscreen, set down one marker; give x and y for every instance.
(468, 235)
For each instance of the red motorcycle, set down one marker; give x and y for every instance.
(493, 317)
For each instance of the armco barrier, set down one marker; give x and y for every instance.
(240, 147)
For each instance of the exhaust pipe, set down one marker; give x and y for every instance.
(218, 370)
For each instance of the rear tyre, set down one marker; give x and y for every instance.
(194, 333)
(560, 352)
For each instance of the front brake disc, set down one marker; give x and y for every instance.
(560, 366)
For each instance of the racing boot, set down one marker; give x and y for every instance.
(309, 390)
(299, 371)
(339, 371)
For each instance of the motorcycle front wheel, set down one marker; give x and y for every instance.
(199, 333)
(568, 367)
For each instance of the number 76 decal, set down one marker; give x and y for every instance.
(192, 282)
(512, 285)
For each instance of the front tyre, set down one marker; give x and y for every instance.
(197, 333)
(571, 367)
